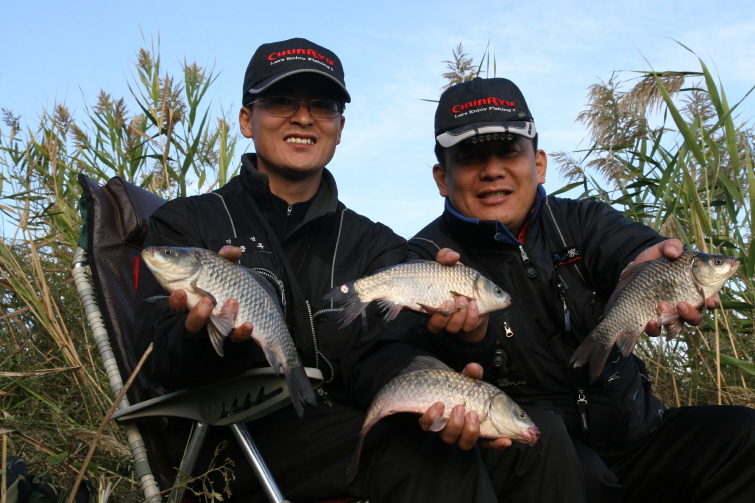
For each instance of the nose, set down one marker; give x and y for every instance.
(492, 168)
(302, 115)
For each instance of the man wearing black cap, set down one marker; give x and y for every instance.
(281, 215)
(560, 259)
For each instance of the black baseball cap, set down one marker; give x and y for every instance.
(278, 60)
(482, 107)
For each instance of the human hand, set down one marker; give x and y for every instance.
(462, 428)
(462, 316)
(672, 249)
(199, 315)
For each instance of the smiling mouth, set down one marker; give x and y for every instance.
(300, 141)
(490, 195)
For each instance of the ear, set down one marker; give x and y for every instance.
(541, 164)
(340, 129)
(245, 122)
(439, 173)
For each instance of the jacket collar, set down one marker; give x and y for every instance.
(257, 183)
(487, 230)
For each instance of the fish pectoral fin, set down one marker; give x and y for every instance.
(392, 308)
(429, 309)
(674, 328)
(216, 337)
(626, 342)
(204, 292)
(457, 295)
(439, 423)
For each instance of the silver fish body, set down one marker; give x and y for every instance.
(200, 273)
(417, 390)
(422, 286)
(691, 278)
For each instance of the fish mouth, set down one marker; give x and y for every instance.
(300, 140)
(531, 435)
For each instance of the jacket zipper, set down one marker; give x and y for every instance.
(270, 275)
(531, 272)
(582, 406)
(288, 210)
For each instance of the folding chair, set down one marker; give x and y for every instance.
(103, 269)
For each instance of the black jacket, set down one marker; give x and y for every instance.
(559, 278)
(330, 246)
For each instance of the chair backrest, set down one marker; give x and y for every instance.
(116, 216)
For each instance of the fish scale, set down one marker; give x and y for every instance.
(691, 278)
(201, 272)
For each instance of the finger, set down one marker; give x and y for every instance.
(426, 420)
(232, 253)
(242, 333)
(689, 314)
(471, 431)
(451, 433)
(653, 328)
(177, 302)
(712, 302)
(456, 320)
(447, 256)
(472, 317)
(473, 370)
(495, 443)
(199, 315)
(438, 321)
(671, 248)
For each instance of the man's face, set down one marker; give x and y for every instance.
(299, 145)
(493, 180)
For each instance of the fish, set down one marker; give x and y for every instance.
(200, 273)
(420, 285)
(691, 278)
(427, 381)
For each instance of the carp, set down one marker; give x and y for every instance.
(421, 286)
(690, 278)
(200, 273)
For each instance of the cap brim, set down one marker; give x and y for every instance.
(280, 76)
(454, 136)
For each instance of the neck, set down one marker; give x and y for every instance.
(294, 189)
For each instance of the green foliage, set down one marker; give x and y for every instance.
(690, 177)
(53, 392)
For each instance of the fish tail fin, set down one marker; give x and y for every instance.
(593, 352)
(351, 471)
(300, 389)
(348, 297)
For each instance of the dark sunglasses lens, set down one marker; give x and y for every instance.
(281, 105)
(324, 109)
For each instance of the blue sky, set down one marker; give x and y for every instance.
(393, 53)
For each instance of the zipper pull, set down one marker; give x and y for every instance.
(288, 211)
(531, 272)
(507, 328)
(582, 405)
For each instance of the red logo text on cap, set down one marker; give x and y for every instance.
(305, 52)
(485, 101)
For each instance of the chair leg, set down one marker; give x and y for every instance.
(258, 464)
(189, 460)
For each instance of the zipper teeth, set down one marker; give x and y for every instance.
(269, 274)
(318, 354)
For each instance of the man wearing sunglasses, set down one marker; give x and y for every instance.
(282, 217)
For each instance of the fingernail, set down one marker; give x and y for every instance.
(207, 302)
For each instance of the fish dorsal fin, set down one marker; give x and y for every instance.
(425, 362)
(629, 274)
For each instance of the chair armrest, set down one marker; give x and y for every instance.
(250, 395)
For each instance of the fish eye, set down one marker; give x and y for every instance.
(522, 414)
(498, 290)
(719, 261)
(167, 251)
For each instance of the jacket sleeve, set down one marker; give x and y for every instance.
(180, 358)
